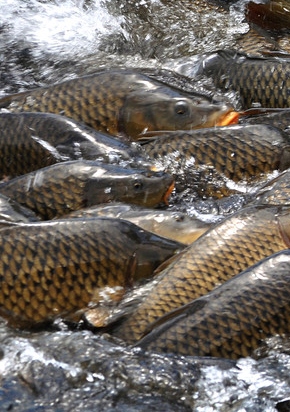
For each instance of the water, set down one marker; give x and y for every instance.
(42, 42)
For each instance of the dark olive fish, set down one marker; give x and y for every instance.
(61, 188)
(166, 223)
(279, 118)
(273, 15)
(232, 320)
(121, 102)
(217, 162)
(52, 269)
(224, 251)
(30, 141)
(259, 81)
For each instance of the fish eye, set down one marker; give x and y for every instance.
(181, 108)
(138, 185)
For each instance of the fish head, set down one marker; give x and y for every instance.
(159, 111)
(139, 187)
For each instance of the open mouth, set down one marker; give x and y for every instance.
(228, 118)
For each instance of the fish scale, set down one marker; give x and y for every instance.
(57, 268)
(224, 251)
(203, 160)
(123, 102)
(232, 320)
(64, 187)
(258, 80)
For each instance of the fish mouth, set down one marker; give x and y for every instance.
(168, 193)
(230, 117)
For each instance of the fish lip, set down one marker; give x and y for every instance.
(230, 117)
(168, 193)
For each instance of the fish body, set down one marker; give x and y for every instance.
(120, 102)
(277, 118)
(223, 251)
(52, 269)
(275, 192)
(232, 320)
(217, 162)
(166, 223)
(30, 141)
(61, 188)
(11, 211)
(273, 15)
(259, 81)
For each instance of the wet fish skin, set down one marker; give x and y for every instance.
(276, 192)
(208, 161)
(30, 141)
(277, 118)
(120, 101)
(273, 15)
(61, 188)
(232, 320)
(172, 225)
(11, 211)
(225, 250)
(52, 269)
(258, 80)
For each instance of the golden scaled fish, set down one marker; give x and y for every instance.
(55, 269)
(64, 187)
(173, 225)
(279, 118)
(232, 320)
(30, 141)
(217, 162)
(123, 102)
(262, 81)
(275, 192)
(225, 250)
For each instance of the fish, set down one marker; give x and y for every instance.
(232, 320)
(273, 15)
(225, 250)
(172, 225)
(259, 81)
(13, 212)
(276, 192)
(279, 118)
(30, 141)
(54, 269)
(122, 102)
(220, 161)
(56, 190)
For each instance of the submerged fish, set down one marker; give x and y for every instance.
(217, 162)
(232, 320)
(54, 269)
(263, 81)
(225, 250)
(122, 102)
(30, 141)
(166, 223)
(61, 188)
